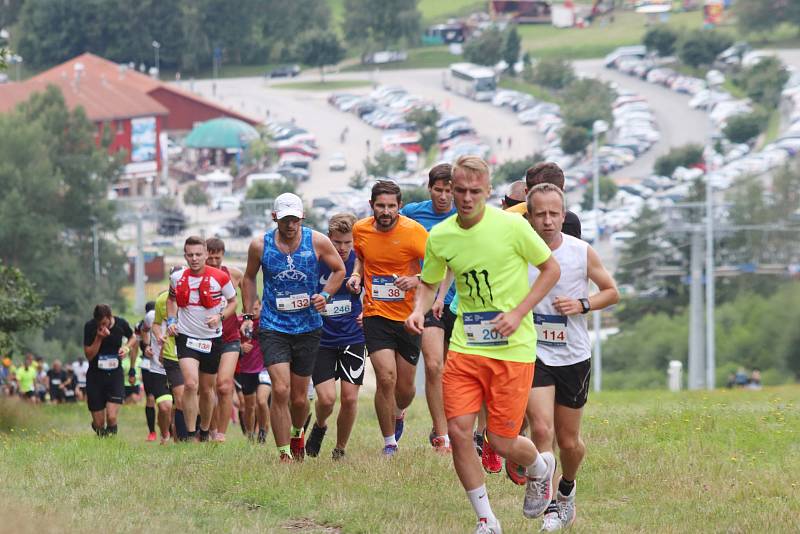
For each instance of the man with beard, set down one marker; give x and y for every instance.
(389, 247)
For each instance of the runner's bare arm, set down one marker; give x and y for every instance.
(423, 300)
(607, 289)
(328, 255)
(248, 284)
(172, 313)
(444, 287)
(549, 273)
(354, 282)
(236, 276)
(92, 350)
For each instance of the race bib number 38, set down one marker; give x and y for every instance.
(551, 330)
(291, 303)
(480, 331)
(383, 289)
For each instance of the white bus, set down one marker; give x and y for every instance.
(470, 80)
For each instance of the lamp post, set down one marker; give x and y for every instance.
(16, 60)
(714, 79)
(598, 128)
(156, 47)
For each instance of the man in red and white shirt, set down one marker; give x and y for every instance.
(200, 299)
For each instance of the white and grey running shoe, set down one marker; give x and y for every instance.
(539, 490)
(566, 507)
(484, 527)
(551, 522)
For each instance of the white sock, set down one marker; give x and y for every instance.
(389, 440)
(539, 467)
(480, 502)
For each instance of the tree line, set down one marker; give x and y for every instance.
(194, 33)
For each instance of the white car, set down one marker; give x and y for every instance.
(337, 162)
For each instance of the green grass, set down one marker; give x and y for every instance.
(628, 28)
(536, 91)
(322, 86)
(725, 461)
(431, 57)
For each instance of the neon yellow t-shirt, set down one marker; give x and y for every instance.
(161, 319)
(26, 378)
(490, 263)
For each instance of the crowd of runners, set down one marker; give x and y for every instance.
(495, 301)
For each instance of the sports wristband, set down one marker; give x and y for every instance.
(171, 321)
(355, 274)
(325, 295)
(131, 372)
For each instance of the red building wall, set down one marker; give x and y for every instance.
(184, 112)
(121, 136)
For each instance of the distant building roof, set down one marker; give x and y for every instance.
(107, 91)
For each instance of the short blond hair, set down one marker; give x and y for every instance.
(342, 223)
(546, 187)
(472, 165)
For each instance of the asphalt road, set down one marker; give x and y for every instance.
(678, 123)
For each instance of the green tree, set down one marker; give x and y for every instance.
(379, 24)
(264, 190)
(574, 139)
(608, 190)
(764, 81)
(425, 120)
(319, 49)
(21, 307)
(385, 163)
(683, 156)
(745, 127)
(55, 180)
(589, 100)
(514, 169)
(553, 73)
(661, 39)
(762, 15)
(701, 47)
(486, 49)
(511, 49)
(358, 180)
(195, 195)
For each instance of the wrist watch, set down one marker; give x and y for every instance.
(247, 317)
(325, 295)
(585, 307)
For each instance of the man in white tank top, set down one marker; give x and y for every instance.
(563, 351)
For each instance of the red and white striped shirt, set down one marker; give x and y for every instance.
(193, 317)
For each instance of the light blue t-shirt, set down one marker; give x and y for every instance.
(424, 214)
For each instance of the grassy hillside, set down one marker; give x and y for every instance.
(727, 461)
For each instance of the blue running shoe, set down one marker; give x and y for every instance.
(399, 424)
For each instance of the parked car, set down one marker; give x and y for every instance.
(284, 71)
(337, 162)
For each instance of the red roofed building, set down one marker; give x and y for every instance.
(136, 107)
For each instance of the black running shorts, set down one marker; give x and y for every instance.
(298, 350)
(103, 387)
(381, 333)
(341, 363)
(209, 361)
(174, 373)
(446, 323)
(155, 384)
(571, 381)
(250, 381)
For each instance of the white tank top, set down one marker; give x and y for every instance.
(564, 340)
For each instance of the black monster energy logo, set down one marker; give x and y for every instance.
(471, 277)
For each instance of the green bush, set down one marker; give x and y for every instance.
(486, 49)
(763, 81)
(574, 139)
(513, 170)
(684, 156)
(589, 100)
(661, 39)
(744, 128)
(555, 74)
(701, 47)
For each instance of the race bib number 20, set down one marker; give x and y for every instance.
(479, 330)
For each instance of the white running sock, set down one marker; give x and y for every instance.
(480, 502)
(389, 440)
(539, 467)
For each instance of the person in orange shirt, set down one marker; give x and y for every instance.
(389, 247)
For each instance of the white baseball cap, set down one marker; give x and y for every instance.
(288, 204)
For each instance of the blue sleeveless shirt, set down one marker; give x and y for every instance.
(289, 282)
(339, 326)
